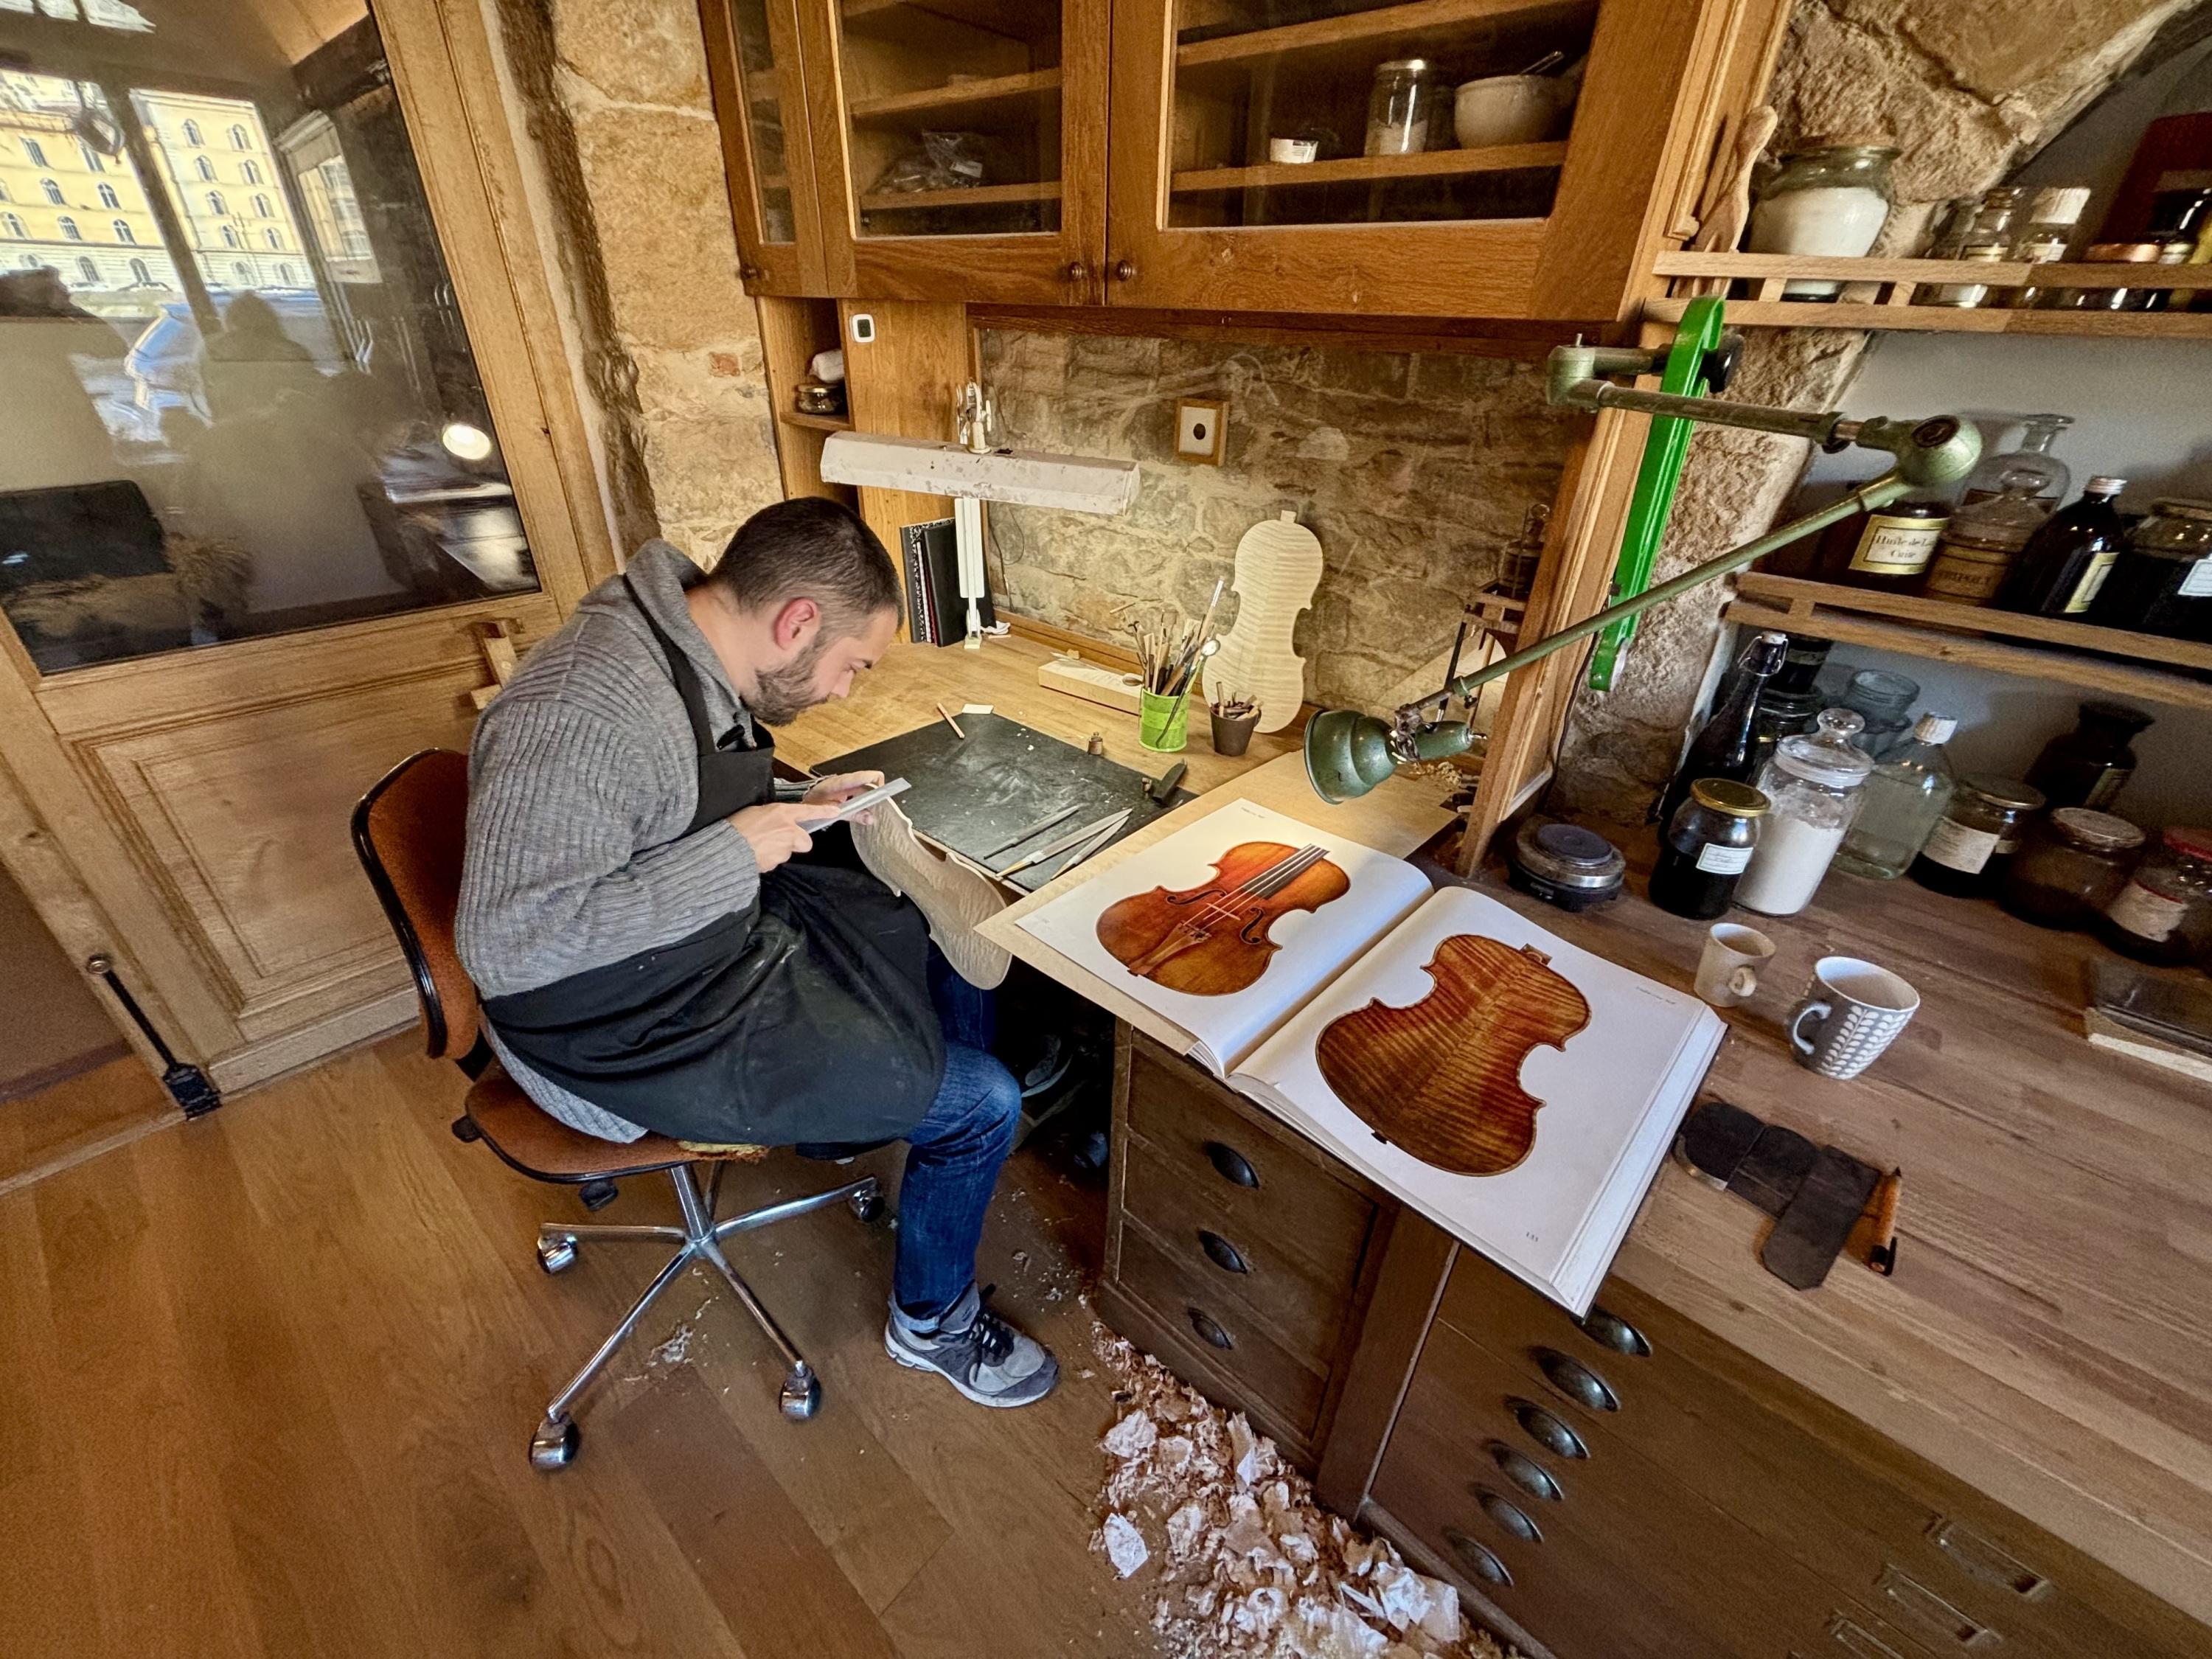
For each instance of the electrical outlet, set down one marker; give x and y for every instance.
(1201, 429)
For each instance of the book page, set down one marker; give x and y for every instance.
(1596, 1048)
(1175, 926)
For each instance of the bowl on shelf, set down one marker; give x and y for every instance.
(1508, 109)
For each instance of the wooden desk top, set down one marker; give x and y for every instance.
(2047, 1337)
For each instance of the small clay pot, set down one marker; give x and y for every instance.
(1234, 737)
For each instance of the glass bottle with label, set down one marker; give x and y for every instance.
(2162, 583)
(2065, 563)
(2164, 915)
(1813, 784)
(1966, 852)
(2054, 219)
(2072, 863)
(1706, 845)
(2031, 457)
(1887, 550)
(1982, 231)
(1976, 553)
(1905, 796)
(2091, 764)
(1724, 747)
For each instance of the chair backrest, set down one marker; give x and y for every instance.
(410, 829)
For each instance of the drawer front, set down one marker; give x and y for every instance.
(1268, 1189)
(1926, 1557)
(1226, 1333)
(1194, 1216)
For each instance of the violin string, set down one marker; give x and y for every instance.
(1267, 883)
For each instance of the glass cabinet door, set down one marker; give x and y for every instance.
(753, 61)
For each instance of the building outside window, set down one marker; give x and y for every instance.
(204, 167)
(68, 228)
(261, 207)
(284, 276)
(193, 134)
(215, 203)
(275, 238)
(108, 198)
(32, 150)
(140, 274)
(89, 271)
(239, 140)
(53, 191)
(123, 231)
(229, 239)
(249, 171)
(13, 226)
(93, 160)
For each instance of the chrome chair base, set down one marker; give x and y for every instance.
(556, 1440)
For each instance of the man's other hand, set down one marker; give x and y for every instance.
(773, 831)
(835, 791)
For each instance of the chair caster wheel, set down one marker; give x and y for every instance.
(867, 1206)
(595, 1195)
(801, 1396)
(556, 1253)
(554, 1446)
(465, 1129)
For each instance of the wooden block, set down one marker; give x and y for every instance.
(1092, 681)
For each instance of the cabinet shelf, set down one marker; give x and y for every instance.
(2110, 659)
(1023, 20)
(961, 98)
(1378, 169)
(815, 423)
(1435, 26)
(982, 196)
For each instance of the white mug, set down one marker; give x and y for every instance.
(1727, 970)
(1856, 1009)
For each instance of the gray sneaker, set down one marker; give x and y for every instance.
(975, 1351)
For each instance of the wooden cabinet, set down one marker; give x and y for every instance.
(1140, 152)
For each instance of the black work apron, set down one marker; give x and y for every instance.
(805, 1017)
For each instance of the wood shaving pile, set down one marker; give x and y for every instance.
(1251, 1567)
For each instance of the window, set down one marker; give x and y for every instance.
(204, 167)
(261, 207)
(3, 191)
(89, 271)
(31, 148)
(123, 231)
(243, 271)
(108, 198)
(13, 226)
(275, 238)
(94, 162)
(239, 140)
(28, 261)
(193, 134)
(229, 237)
(284, 276)
(69, 229)
(140, 274)
(53, 191)
(214, 203)
(249, 171)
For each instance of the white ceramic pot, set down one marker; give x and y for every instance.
(1505, 109)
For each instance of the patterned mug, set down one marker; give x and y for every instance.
(1856, 1011)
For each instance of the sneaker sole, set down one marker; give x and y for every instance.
(995, 1402)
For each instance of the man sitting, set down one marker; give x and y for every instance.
(662, 946)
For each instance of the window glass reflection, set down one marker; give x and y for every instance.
(240, 398)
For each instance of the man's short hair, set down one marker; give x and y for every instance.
(811, 547)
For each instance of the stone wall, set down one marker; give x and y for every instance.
(1970, 90)
(1414, 470)
(617, 106)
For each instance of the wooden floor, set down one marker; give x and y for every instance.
(81, 1116)
(267, 1381)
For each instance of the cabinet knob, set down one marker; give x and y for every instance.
(1548, 1431)
(1511, 1518)
(1525, 1472)
(1477, 1558)
(1611, 1331)
(1210, 1330)
(748, 273)
(1231, 1165)
(1577, 1380)
(1077, 270)
(1223, 1255)
(1124, 271)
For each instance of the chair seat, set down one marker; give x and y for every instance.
(542, 1147)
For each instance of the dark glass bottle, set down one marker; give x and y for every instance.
(1724, 747)
(2066, 561)
(1889, 549)
(1706, 845)
(2091, 764)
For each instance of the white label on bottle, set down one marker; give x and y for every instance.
(2085, 590)
(2145, 913)
(1892, 546)
(1956, 847)
(2198, 582)
(1720, 861)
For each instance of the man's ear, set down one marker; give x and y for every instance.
(795, 624)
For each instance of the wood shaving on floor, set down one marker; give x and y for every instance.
(1250, 1566)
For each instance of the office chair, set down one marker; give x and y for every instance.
(409, 830)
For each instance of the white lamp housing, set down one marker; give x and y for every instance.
(1081, 484)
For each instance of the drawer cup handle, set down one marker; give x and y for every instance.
(1231, 1165)
(1546, 1431)
(1577, 1380)
(1525, 1472)
(1610, 1330)
(1853, 1638)
(1915, 1604)
(1222, 1254)
(1477, 1558)
(1210, 1330)
(1511, 1518)
(1986, 1561)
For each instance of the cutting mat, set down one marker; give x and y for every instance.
(970, 793)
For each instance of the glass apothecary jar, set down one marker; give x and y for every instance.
(2162, 583)
(2070, 867)
(1831, 200)
(2164, 913)
(1966, 853)
(1401, 107)
(1812, 785)
(1706, 845)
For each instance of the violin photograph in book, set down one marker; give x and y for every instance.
(1212, 939)
(1441, 1077)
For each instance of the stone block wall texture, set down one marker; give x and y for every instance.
(1415, 471)
(617, 105)
(1970, 89)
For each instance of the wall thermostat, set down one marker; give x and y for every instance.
(864, 328)
(1201, 429)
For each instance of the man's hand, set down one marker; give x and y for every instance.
(773, 831)
(835, 791)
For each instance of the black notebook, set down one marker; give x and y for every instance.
(936, 614)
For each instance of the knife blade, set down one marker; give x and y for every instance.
(1073, 838)
(1088, 847)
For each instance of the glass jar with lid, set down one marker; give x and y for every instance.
(2162, 583)
(1983, 232)
(1974, 555)
(2164, 913)
(1812, 786)
(1966, 853)
(2071, 865)
(1885, 700)
(1705, 846)
(1831, 200)
(2142, 297)
(2030, 457)
(1401, 107)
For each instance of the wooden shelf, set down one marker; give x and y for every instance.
(1877, 294)
(1372, 36)
(1376, 169)
(2109, 659)
(1023, 20)
(982, 196)
(816, 422)
(964, 97)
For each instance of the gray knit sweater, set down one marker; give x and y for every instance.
(583, 776)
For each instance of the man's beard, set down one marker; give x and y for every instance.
(780, 695)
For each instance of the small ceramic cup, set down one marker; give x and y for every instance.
(1851, 1011)
(1728, 969)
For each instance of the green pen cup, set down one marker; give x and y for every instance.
(1162, 722)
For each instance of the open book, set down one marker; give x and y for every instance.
(1515, 1089)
